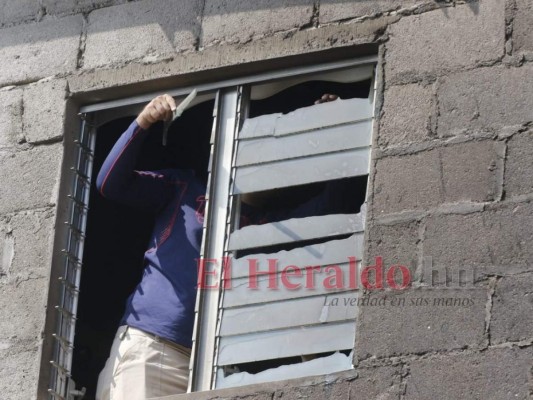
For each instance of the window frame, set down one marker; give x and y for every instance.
(61, 384)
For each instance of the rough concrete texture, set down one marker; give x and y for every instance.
(408, 111)
(461, 172)
(36, 184)
(424, 320)
(519, 164)
(76, 6)
(10, 117)
(44, 110)
(15, 11)
(407, 182)
(371, 383)
(445, 39)
(214, 58)
(147, 30)
(493, 374)
(512, 309)
(241, 21)
(498, 238)
(522, 32)
(19, 368)
(376, 382)
(331, 11)
(23, 306)
(396, 244)
(27, 243)
(472, 171)
(485, 99)
(37, 50)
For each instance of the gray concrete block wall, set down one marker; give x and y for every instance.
(493, 374)
(241, 21)
(451, 180)
(37, 50)
(339, 11)
(147, 30)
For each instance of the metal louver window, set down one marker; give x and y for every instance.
(61, 384)
(235, 326)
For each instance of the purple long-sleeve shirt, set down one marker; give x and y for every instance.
(163, 302)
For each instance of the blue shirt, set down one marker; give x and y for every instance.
(163, 302)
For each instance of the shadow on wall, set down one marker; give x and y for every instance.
(188, 18)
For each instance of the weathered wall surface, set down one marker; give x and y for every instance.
(451, 180)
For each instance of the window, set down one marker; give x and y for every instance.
(286, 181)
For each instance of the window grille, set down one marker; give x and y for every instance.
(62, 386)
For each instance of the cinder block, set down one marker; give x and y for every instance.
(44, 110)
(371, 383)
(14, 11)
(37, 50)
(493, 374)
(76, 6)
(376, 383)
(19, 369)
(407, 115)
(523, 20)
(472, 171)
(23, 306)
(335, 391)
(336, 11)
(519, 164)
(28, 238)
(467, 35)
(243, 20)
(10, 117)
(396, 244)
(29, 179)
(485, 99)
(461, 172)
(512, 309)
(423, 320)
(145, 30)
(407, 182)
(494, 238)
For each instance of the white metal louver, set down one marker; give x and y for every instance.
(319, 143)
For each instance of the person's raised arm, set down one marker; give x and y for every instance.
(118, 180)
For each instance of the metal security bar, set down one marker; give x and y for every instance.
(61, 384)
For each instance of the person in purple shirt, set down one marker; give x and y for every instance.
(151, 351)
(150, 354)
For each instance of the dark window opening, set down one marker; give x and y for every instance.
(263, 365)
(117, 236)
(340, 196)
(305, 94)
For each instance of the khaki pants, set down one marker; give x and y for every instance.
(142, 366)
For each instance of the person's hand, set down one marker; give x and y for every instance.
(326, 98)
(159, 109)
